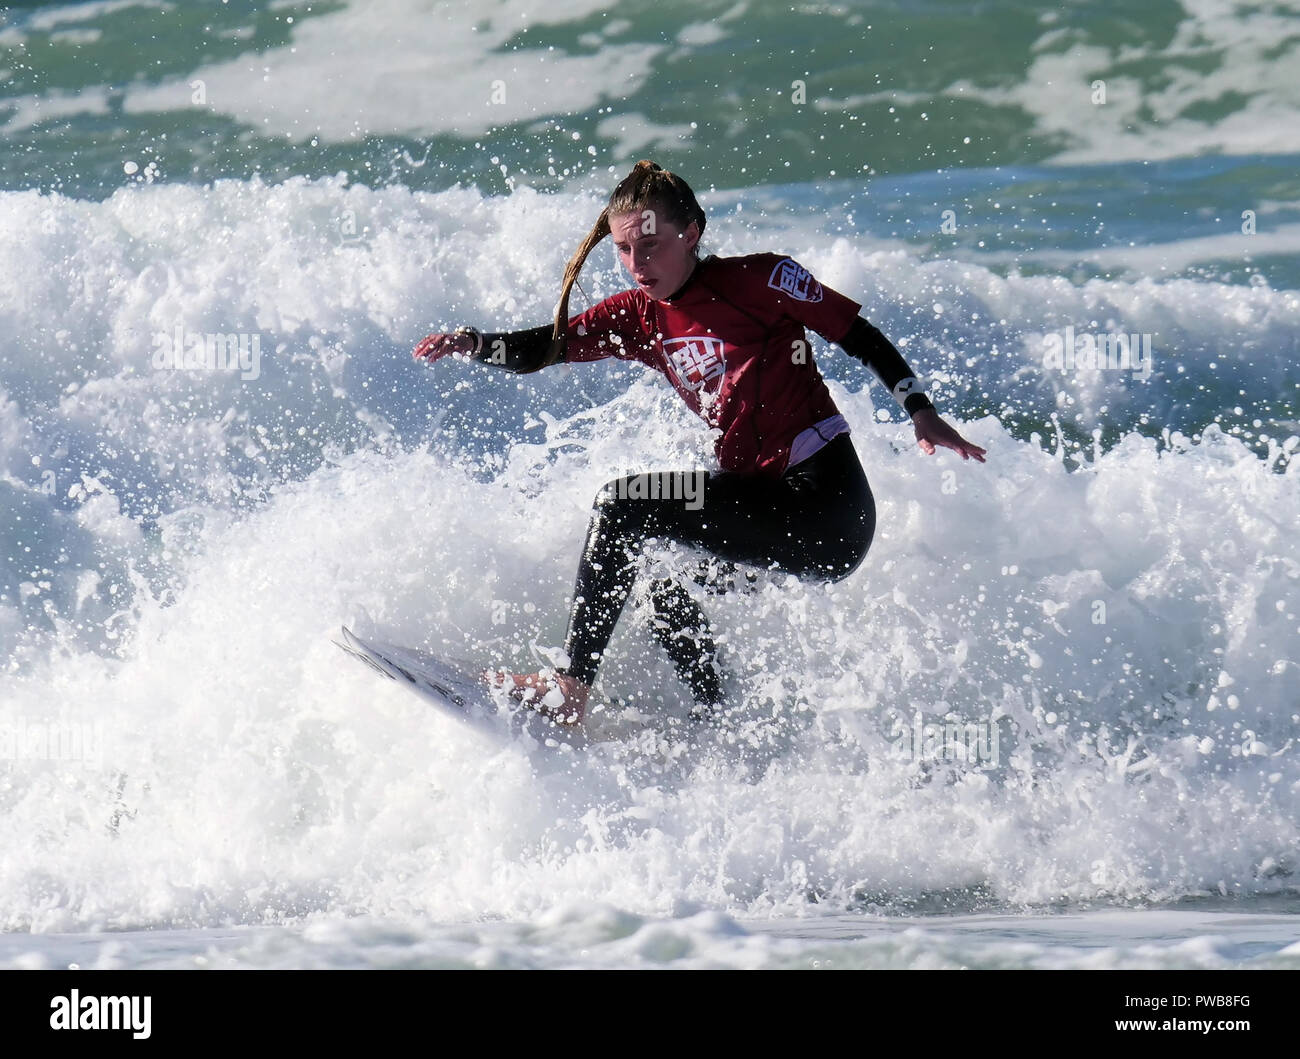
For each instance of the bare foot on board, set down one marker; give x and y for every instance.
(558, 696)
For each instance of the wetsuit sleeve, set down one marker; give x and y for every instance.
(517, 351)
(608, 329)
(867, 344)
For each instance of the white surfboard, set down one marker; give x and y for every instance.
(463, 695)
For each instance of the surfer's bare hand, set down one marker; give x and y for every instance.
(558, 696)
(932, 431)
(436, 346)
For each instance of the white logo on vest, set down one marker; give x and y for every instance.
(790, 277)
(694, 360)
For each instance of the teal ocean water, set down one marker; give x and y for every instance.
(190, 771)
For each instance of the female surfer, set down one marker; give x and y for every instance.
(728, 333)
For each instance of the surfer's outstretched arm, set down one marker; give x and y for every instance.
(515, 351)
(866, 343)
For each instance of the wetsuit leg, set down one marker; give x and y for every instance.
(816, 522)
(685, 634)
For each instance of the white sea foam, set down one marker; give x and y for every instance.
(207, 534)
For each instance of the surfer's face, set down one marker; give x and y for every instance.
(657, 253)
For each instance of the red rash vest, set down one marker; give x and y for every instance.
(732, 343)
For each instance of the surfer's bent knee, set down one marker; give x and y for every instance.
(853, 551)
(849, 566)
